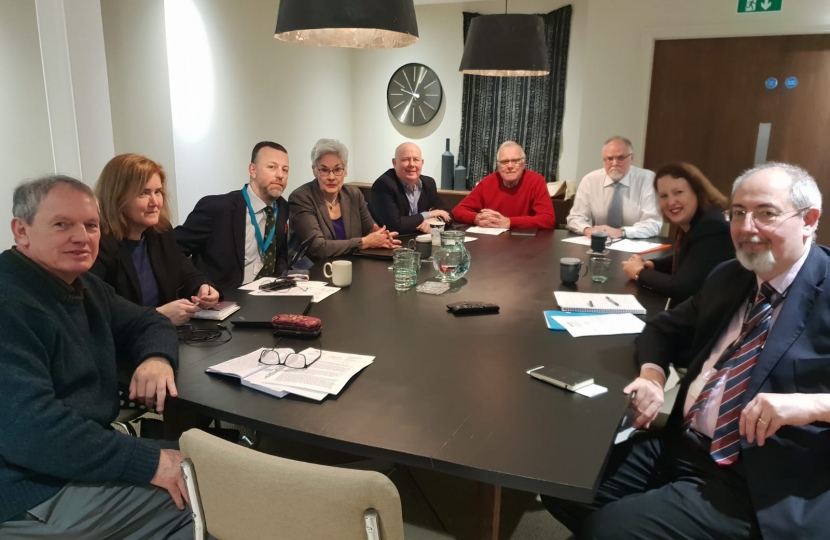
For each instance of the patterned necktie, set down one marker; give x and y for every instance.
(737, 370)
(269, 258)
(615, 209)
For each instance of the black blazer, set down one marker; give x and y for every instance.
(214, 235)
(389, 205)
(788, 477)
(175, 274)
(707, 244)
(311, 224)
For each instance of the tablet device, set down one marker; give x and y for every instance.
(523, 232)
(257, 311)
(375, 253)
(562, 377)
(383, 253)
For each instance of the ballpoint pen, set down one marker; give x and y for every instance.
(612, 301)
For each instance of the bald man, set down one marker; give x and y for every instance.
(404, 200)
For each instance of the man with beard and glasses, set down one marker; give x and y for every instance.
(745, 451)
(618, 199)
(237, 237)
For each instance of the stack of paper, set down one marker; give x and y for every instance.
(328, 375)
(493, 231)
(320, 290)
(601, 325)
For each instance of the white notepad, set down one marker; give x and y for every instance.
(598, 303)
(219, 312)
(493, 231)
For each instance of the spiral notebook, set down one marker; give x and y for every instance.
(598, 303)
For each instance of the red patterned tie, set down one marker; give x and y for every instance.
(737, 370)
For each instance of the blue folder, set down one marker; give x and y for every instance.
(553, 325)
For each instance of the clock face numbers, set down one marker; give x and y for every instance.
(414, 95)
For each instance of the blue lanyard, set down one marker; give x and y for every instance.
(263, 246)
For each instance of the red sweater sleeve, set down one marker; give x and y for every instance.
(470, 206)
(541, 207)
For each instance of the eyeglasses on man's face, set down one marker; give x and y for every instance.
(508, 162)
(765, 217)
(324, 172)
(618, 159)
(273, 357)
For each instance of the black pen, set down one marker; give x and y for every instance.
(610, 300)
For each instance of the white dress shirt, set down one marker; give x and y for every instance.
(641, 216)
(253, 257)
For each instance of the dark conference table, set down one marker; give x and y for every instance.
(447, 393)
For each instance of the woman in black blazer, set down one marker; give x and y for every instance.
(690, 201)
(138, 255)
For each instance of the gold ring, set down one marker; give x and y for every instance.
(765, 423)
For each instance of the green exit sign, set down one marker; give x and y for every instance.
(759, 6)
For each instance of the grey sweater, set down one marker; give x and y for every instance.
(58, 394)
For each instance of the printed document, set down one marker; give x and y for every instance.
(328, 375)
(601, 325)
(493, 231)
(320, 290)
(626, 245)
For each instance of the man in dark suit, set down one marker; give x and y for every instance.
(402, 199)
(745, 451)
(241, 236)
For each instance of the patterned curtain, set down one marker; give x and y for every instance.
(527, 110)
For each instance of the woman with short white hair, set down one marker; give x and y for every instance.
(331, 216)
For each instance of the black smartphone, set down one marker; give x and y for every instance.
(562, 377)
(277, 284)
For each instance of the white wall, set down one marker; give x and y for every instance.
(139, 87)
(440, 47)
(263, 89)
(75, 77)
(90, 91)
(620, 46)
(25, 142)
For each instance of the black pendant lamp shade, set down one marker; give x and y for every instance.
(360, 24)
(509, 45)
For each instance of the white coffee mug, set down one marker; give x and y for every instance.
(340, 272)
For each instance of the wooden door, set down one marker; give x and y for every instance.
(708, 97)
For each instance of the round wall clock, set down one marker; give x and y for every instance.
(414, 94)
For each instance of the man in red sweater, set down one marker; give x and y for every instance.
(512, 197)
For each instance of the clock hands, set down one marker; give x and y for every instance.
(413, 94)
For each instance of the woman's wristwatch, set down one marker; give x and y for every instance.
(637, 275)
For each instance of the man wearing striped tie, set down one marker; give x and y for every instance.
(746, 450)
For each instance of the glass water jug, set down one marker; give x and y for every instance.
(451, 260)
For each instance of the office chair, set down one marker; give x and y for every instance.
(238, 493)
